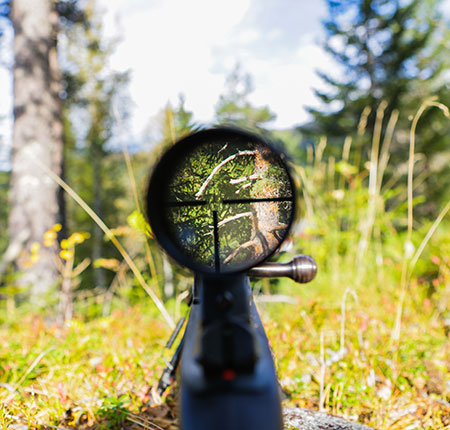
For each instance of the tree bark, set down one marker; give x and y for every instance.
(37, 136)
(266, 220)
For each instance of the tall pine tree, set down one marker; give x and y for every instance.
(384, 51)
(388, 51)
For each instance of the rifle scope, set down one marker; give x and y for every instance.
(221, 201)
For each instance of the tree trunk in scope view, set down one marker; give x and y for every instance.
(37, 140)
(266, 220)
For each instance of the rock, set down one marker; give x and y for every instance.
(305, 419)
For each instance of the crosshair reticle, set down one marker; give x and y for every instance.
(221, 201)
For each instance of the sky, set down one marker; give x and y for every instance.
(174, 47)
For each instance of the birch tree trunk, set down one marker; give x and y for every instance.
(37, 137)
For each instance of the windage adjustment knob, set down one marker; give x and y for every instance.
(301, 269)
(304, 269)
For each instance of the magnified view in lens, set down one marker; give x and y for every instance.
(227, 202)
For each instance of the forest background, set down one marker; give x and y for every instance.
(369, 339)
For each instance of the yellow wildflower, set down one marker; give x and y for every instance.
(77, 237)
(50, 235)
(35, 247)
(65, 254)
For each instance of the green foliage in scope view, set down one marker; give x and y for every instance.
(209, 177)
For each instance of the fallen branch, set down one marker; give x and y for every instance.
(248, 184)
(217, 168)
(245, 245)
(253, 177)
(232, 218)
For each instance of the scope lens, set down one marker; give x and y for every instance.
(224, 200)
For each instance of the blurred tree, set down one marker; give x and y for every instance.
(4, 176)
(234, 108)
(173, 122)
(38, 65)
(92, 91)
(177, 121)
(37, 138)
(169, 125)
(386, 50)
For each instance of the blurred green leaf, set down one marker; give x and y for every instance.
(137, 221)
(346, 169)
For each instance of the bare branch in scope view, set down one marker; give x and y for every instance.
(217, 168)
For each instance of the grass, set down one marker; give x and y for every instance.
(365, 378)
(102, 373)
(367, 340)
(81, 374)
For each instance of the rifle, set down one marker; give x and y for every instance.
(220, 202)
